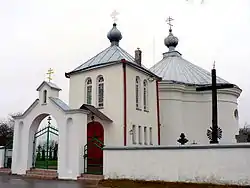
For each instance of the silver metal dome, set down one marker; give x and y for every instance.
(174, 69)
(114, 35)
(171, 41)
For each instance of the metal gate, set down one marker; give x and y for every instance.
(93, 164)
(45, 155)
(8, 154)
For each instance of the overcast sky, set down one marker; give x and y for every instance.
(38, 34)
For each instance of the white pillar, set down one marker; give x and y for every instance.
(25, 145)
(81, 139)
(15, 165)
(62, 150)
(2, 151)
(71, 159)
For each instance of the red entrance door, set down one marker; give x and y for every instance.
(95, 135)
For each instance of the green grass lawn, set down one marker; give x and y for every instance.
(46, 164)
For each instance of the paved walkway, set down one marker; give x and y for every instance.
(18, 182)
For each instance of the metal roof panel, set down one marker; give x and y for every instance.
(174, 68)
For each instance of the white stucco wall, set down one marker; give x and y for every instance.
(182, 109)
(140, 117)
(212, 164)
(50, 92)
(114, 102)
(2, 150)
(113, 98)
(71, 125)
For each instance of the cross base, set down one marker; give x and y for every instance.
(214, 142)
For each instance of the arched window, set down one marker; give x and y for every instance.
(236, 114)
(100, 91)
(45, 96)
(145, 95)
(145, 136)
(138, 92)
(89, 91)
(150, 136)
(134, 134)
(139, 135)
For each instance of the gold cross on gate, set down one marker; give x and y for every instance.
(169, 19)
(49, 73)
(114, 15)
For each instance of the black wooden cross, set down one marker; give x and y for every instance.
(214, 88)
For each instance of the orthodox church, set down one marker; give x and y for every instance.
(116, 100)
(154, 105)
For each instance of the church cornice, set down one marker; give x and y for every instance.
(133, 65)
(191, 89)
(36, 102)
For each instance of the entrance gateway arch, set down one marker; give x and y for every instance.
(72, 133)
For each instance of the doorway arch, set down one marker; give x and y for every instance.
(43, 149)
(95, 143)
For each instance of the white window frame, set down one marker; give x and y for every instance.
(139, 134)
(88, 90)
(134, 134)
(150, 136)
(45, 96)
(145, 95)
(99, 98)
(138, 92)
(145, 136)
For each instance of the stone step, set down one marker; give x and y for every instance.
(92, 176)
(90, 180)
(5, 170)
(44, 177)
(42, 174)
(42, 170)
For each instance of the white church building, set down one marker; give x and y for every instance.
(116, 102)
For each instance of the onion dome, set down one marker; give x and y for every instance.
(173, 68)
(171, 41)
(114, 35)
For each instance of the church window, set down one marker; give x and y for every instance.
(150, 136)
(145, 95)
(138, 92)
(89, 91)
(45, 96)
(140, 134)
(100, 91)
(134, 134)
(145, 136)
(236, 115)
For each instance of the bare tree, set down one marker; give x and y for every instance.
(6, 133)
(7, 129)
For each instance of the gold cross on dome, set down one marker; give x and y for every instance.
(169, 20)
(114, 15)
(49, 73)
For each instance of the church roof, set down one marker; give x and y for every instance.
(96, 112)
(50, 84)
(114, 54)
(175, 69)
(60, 103)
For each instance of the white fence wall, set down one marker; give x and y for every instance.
(194, 163)
(2, 150)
